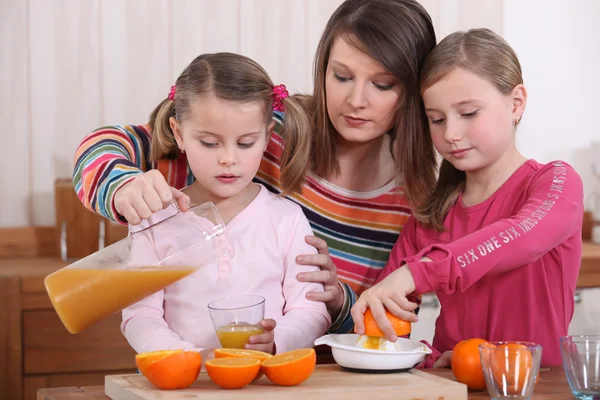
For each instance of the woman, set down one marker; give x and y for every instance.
(361, 176)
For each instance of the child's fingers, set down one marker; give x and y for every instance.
(406, 304)
(396, 308)
(358, 311)
(444, 361)
(265, 337)
(268, 324)
(264, 347)
(378, 311)
(182, 199)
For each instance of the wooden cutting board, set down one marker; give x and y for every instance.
(327, 382)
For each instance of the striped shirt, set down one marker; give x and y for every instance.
(360, 228)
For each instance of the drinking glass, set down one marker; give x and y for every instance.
(237, 318)
(581, 361)
(510, 369)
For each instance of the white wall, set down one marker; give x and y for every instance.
(69, 66)
(558, 44)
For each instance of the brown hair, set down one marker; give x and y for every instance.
(234, 77)
(487, 55)
(398, 34)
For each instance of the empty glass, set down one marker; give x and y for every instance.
(237, 318)
(163, 249)
(581, 360)
(510, 368)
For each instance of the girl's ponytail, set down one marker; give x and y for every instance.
(297, 132)
(163, 144)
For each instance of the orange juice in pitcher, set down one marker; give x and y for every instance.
(84, 296)
(146, 261)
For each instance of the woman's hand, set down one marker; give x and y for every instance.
(145, 195)
(333, 294)
(391, 294)
(266, 340)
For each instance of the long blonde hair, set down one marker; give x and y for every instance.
(234, 77)
(487, 55)
(398, 34)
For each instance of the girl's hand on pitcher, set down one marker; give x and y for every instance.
(146, 194)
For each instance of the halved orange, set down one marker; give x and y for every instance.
(144, 360)
(232, 372)
(242, 353)
(401, 327)
(290, 368)
(170, 369)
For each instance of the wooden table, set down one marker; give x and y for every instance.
(551, 386)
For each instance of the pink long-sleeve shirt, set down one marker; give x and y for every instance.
(504, 269)
(267, 236)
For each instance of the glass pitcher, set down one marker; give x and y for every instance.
(162, 250)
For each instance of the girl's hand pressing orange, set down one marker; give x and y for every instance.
(266, 340)
(391, 294)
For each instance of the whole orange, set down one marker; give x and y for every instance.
(511, 363)
(466, 363)
(401, 327)
(170, 369)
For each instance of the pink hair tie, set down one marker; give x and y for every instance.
(279, 93)
(172, 93)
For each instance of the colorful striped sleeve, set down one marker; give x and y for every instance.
(105, 160)
(344, 322)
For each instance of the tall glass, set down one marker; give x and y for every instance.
(237, 318)
(168, 247)
(510, 369)
(581, 360)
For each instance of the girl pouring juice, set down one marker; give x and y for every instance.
(219, 116)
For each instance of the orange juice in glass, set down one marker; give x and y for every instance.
(150, 258)
(237, 318)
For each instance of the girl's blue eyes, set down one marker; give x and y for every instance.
(212, 145)
(378, 86)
